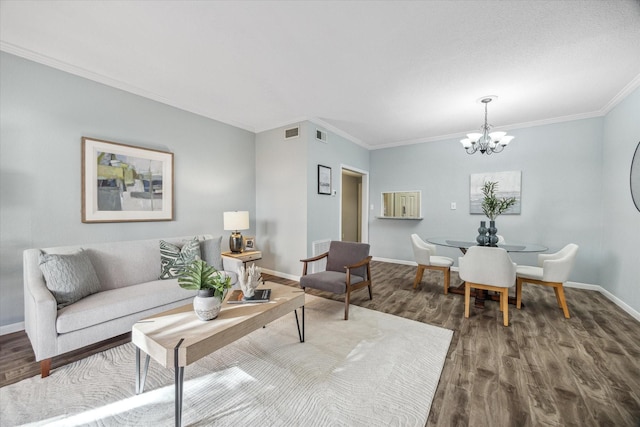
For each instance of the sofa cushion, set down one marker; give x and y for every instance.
(116, 303)
(211, 250)
(69, 277)
(174, 259)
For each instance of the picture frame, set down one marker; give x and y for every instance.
(124, 183)
(509, 185)
(250, 243)
(324, 179)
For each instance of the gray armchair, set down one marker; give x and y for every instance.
(348, 269)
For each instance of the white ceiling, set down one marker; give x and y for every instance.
(383, 73)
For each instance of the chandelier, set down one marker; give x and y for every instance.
(485, 142)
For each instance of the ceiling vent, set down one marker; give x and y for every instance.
(321, 135)
(292, 132)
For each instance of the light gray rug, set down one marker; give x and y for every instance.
(373, 370)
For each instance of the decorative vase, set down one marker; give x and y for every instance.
(482, 238)
(206, 305)
(493, 238)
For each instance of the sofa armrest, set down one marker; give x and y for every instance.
(40, 308)
(231, 264)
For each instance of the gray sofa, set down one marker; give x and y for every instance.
(129, 290)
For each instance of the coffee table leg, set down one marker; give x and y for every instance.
(179, 380)
(140, 381)
(300, 334)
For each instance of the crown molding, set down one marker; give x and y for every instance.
(108, 81)
(630, 87)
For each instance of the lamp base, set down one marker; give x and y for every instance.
(236, 243)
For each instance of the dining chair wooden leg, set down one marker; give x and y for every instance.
(562, 301)
(419, 273)
(467, 297)
(504, 302)
(518, 293)
(447, 280)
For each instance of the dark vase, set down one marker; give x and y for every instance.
(482, 238)
(493, 238)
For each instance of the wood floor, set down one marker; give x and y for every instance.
(542, 370)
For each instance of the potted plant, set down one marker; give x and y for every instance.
(211, 285)
(492, 206)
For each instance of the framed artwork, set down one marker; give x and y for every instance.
(324, 179)
(122, 183)
(509, 185)
(249, 243)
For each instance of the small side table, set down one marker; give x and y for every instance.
(245, 257)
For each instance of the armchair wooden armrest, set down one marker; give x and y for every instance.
(362, 263)
(312, 259)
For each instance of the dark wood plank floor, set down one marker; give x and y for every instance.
(542, 370)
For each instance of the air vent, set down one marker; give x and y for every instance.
(291, 133)
(321, 135)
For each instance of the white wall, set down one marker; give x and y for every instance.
(620, 230)
(45, 112)
(561, 168)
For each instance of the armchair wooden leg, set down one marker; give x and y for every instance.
(45, 368)
(418, 276)
(370, 292)
(518, 293)
(347, 299)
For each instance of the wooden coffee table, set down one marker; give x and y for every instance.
(177, 338)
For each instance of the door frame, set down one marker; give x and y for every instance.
(364, 219)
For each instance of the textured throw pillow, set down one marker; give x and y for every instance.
(212, 252)
(69, 277)
(174, 259)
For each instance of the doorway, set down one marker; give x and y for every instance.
(354, 199)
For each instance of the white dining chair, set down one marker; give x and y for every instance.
(552, 270)
(425, 255)
(490, 269)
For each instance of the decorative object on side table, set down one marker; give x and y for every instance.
(249, 279)
(493, 206)
(482, 234)
(236, 221)
(211, 284)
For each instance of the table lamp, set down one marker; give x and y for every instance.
(236, 221)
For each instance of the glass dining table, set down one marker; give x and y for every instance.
(463, 245)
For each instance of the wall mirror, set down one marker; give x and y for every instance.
(401, 205)
(635, 178)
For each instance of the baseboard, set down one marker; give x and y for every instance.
(10, 329)
(283, 275)
(617, 301)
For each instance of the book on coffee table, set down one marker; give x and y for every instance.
(260, 295)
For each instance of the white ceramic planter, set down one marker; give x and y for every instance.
(207, 306)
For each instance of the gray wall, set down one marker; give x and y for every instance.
(620, 232)
(561, 168)
(281, 201)
(291, 212)
(44, 114)
(324, 211)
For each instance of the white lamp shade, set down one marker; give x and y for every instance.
(236, 220)
(474, 137)
(466, 143)
(506, 139)
(497, 136)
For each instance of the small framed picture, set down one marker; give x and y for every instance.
(324, 179)
(250, 243)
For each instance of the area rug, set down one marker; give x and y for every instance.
(375, 369)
